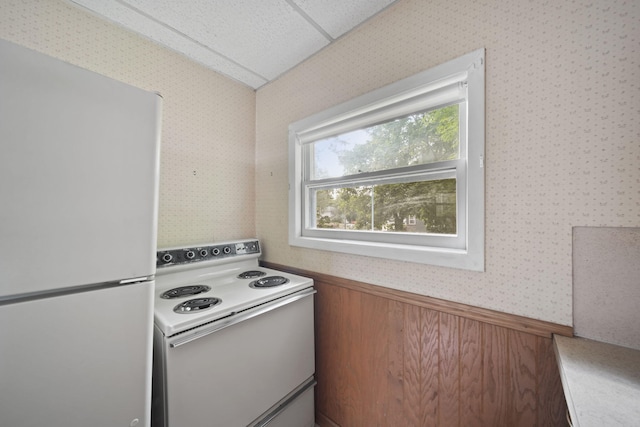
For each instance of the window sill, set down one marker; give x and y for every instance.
(453, 258)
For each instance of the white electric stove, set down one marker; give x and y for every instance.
(233, 341)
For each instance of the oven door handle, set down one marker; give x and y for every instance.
(243, 315)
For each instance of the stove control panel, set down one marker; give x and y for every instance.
(212, 252)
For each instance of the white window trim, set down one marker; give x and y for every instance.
(410, 94)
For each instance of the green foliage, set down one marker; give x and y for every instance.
(420, 138)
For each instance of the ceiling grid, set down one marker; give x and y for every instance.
(251, 41)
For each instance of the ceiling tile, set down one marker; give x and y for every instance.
(266, 36)
(337, 17)
(160, 33)
(252, 41)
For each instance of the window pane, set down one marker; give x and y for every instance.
(344, 208)
(420, 138)
(414, 207)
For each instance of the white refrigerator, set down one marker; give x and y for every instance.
(79, 160)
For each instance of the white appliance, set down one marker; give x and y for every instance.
(233, 342)
(79, 159)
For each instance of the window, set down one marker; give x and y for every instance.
(397, 173)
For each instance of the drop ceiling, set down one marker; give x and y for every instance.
(251, 41)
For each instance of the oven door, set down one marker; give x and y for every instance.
(229, 372)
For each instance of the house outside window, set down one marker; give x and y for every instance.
(397, 173)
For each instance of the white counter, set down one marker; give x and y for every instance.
(601, 382)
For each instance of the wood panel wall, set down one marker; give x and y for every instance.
(390, 358)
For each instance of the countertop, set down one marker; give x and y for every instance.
(601, 382)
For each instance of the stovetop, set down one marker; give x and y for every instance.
(223, 285)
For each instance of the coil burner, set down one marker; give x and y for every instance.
(269, 282)
(251, 274)
(185, 291)
(196, 305)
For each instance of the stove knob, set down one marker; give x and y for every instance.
(215, 251)
(167, 258)
(203, 253)
(190, 254)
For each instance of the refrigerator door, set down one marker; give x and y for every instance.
(78, 360)
(79, 161)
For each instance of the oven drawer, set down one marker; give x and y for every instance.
(297, 409)
(229, 374)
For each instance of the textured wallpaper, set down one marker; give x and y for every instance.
(208, 132)
(562, 137)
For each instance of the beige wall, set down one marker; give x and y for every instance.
(208, 133)
(563, 144)
(562, 137)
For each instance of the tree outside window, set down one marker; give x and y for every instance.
(420, 138)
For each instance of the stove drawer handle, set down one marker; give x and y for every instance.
(244, 315)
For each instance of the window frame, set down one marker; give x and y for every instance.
(431, 88)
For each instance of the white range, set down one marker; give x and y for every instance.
(233, 341)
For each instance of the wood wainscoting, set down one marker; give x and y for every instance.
(390, 358)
